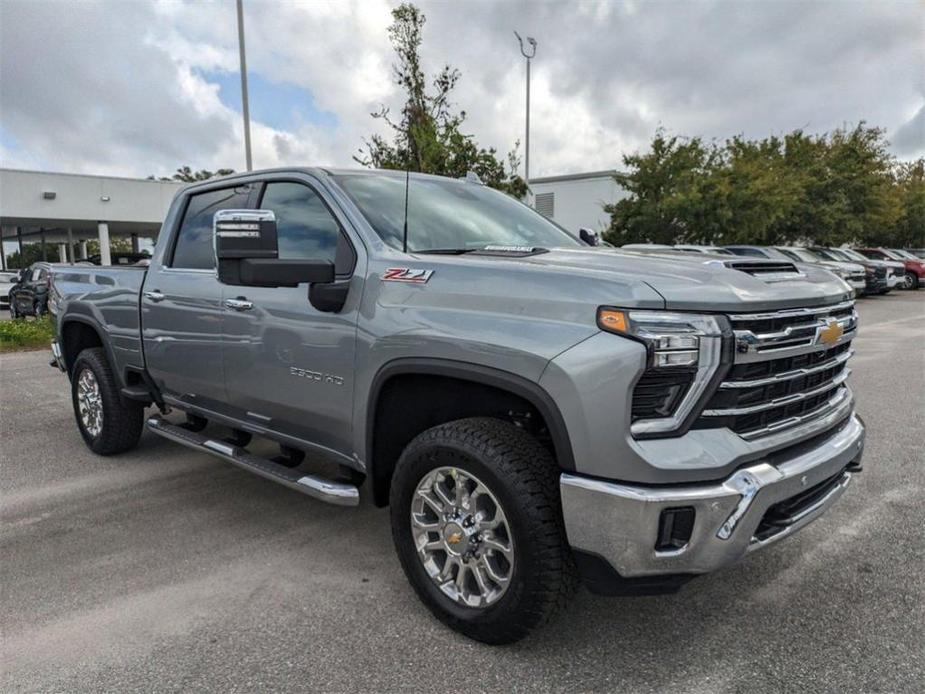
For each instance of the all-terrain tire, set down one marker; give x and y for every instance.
(524, 477)
(122, 420)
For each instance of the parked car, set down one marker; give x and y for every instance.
(7, 279)
(528, 406)
(29, 296)
(691, 248)
(854, 274)
(758, 252)
(646, 247)
(889, 272)
(119, 258)
(913, 268)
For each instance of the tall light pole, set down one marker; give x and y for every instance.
(247, 117)
(528, 54)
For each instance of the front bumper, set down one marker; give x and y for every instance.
(619, 523)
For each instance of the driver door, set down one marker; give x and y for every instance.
(288, 365)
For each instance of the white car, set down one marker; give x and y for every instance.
(7, 279)
(710, 250)
(853, 273)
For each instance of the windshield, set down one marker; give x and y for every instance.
(446, 214)
(850, 254)
(829, 253)
(802, 254)
(903, 254)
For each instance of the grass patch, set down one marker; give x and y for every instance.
(23, 334)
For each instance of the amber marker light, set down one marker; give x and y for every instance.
(612, 320)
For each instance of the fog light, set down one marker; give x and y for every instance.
(675, 526)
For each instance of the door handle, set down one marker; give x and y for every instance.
(239, 304)
(155, 296)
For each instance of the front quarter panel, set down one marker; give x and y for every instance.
(490, 314)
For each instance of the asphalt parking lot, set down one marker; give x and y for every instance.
(168, 570)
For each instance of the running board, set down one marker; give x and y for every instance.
(325, 490)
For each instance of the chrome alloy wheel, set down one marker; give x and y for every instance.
(90, 402)
(462, 537)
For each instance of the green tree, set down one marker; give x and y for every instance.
(908, 229)
(31, 253)
(670, 192)
(841, 187)
(186, 175)
(429, 137)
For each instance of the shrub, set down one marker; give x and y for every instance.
(23, 333)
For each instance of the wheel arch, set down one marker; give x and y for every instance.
(466, 384)
(77, 333)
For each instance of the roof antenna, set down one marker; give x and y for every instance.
(404, 245)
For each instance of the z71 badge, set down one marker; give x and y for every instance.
(406, 274)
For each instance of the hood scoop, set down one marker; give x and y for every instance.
(768, 270)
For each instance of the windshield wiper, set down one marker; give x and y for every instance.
(446, 251)
(515, 251)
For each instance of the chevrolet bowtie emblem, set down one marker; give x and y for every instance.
(831, 333)
(454, 538)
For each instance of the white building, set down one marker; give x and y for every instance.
(64, 211)
(577, 200)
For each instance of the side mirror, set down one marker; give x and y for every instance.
(589, 237)
(247, 253)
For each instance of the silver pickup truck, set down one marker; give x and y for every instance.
(533, 410)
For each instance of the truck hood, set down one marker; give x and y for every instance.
(684, 281)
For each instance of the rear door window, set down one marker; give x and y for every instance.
(193, 249)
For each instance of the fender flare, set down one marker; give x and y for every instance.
(529, 390)
(98, 329)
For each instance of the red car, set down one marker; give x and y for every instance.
(915, 267)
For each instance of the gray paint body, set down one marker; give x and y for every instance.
(531, 317)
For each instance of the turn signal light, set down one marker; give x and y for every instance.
(612, 320)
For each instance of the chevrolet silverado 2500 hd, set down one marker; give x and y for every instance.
(532, 409)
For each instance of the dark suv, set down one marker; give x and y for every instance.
(29, 296)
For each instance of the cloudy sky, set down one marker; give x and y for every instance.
(135, 87)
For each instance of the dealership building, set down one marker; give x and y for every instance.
(62, 212)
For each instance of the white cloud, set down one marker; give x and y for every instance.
(118, 87)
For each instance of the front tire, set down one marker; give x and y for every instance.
(477, 523)
(107, 423)
(911, 281)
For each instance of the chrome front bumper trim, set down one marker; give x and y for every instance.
(620, 522)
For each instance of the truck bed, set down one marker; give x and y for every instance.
(105, 297)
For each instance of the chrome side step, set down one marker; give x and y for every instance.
(337, 493)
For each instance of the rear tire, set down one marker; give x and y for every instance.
(107, 423)
(519, 475)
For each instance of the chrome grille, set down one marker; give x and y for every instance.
(790, 367)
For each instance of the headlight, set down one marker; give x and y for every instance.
(686, 346)
(841, 272)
